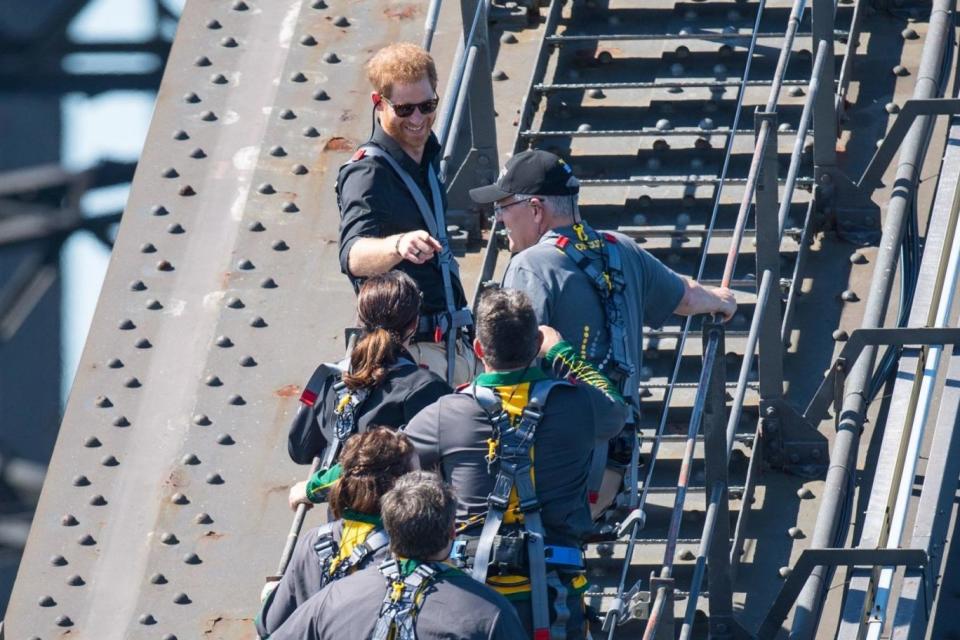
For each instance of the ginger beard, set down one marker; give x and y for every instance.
(412, 132)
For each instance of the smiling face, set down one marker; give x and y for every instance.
(523, 221)
(413, 131)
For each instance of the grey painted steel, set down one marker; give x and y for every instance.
(699, 568)
(430, 24)
(216, 306)
(716, 463)
(854, 404)
(891, 142)
(811, 559)
(824, 110)
(860, 341)
(684, 34)
(919, 588)
(662, 84)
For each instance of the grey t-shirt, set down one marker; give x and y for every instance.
(566, 299)
(456, 606)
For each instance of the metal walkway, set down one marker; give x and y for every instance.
(705, 130)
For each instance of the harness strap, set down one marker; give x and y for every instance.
(515, 471)
(403, 600)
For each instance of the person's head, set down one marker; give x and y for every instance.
(403, 75)
(371, 462)
(418, 515)
(508, 335)
(388, 308)
(536, 191)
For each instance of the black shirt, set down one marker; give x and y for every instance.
(405, 391)
(375, 203)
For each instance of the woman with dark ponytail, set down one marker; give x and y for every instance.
(371, 462)
(380, 384)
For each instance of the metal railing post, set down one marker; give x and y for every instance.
(824, 107)
(719, 580)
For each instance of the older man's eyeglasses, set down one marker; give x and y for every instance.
(406, 110)
(498, 208)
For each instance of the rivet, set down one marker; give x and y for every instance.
(900, 71)
(796, 533)
(121, 421)
(58, 561)
(98, 500)
(804, 493)
(892, 107)
(92, 442)
(256, 226)
(240, 5)
(268, 283)
(75, 581)
(299, 170)
(64, 621)
(331, 58)
(148, 247)
(584, 128)
(158, 578)
(190, 458)
(237, 400)
(245, 265)
(86, 540)
(311, 132)
(235, 303)
(147, 619)
(661, 145)
(137, 285)
(103, 402)
(278, 151)
(132, 383)
(47, 601)
(187, 190)
(208, 116)
(321, 95)
(229, 42)
(849, 295)
(308, 41)
(203, 518)
(109, 461)
(142, 343)
(170, 172)
(198, 153)
(180, 135)
(266, 188)
(164, 265)
(115, 363)
(126, 325)
(201, 420)
(508, 38)
(159, 210)
(214, 478)
(686, 554)
(214, 24)
(664, 125)
(169, 636)
(290, 207)
(81, 480)
(179, 498)
(202, 61)
(500, 75)
(596, 94)
(319, 4)
(154, 305)
(248, 361)
(224, 341)
(181, 598)
(69, 521)
(169, 538)
(280, 245)
(258, 322)
(840, 335)
(192, 558)
(225, 439)
(785, 572)
(298, 77)
(909, 34)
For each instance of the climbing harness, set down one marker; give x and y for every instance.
(453, 320)
(405, 595)
(328, 552)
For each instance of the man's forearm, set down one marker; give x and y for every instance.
(698, 299)
(373, 256)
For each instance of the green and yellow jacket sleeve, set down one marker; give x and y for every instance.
(567, 363)
(320, 482)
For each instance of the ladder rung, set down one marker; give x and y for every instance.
(644, 133)
(662, 84)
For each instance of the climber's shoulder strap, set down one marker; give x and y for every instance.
(403, 600)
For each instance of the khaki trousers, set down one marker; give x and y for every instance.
(433, 355)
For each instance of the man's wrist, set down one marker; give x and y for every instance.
(396, 245)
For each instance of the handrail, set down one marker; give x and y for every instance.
(456, 84)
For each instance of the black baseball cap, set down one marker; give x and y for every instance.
(536, 173)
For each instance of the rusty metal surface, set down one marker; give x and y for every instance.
(167, 492)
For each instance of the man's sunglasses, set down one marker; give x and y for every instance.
(406, 110)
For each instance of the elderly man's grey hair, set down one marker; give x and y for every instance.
(562, 206)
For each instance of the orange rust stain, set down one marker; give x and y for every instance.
(401, 11)
(213, 535)
(339, 144)
(176, 479)
(288, 391)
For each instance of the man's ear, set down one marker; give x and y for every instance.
(478, 348)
